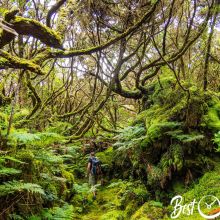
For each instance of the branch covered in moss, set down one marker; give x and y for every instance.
(18, 63)
(29, 27)
(26, 26)
(65, 54)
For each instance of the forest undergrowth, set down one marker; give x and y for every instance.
(136, 82)
(170, 148)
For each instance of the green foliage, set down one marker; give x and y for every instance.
(21, 114)
(48, 157)
(34, 139)
(23, 137)
(156, 130)
(128, 144)
(3, 120)
(107, 158)
(7, 171)
(58, 127)
(66, 212)
(113, 215)
(217, 140)
(119, 200)
(185, 138)
(5, 112)
(213, 116)
(169, 134)
(15, 217)
(154, 176)
(34, 218)
(49, 98)
(208, 184)
(12, 159)
(33, 168)
(4, 171)
(18, 186)
(149, 210)
(166, 140)
(81, 188)
(130, 133)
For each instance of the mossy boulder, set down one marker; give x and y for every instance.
(177, 136)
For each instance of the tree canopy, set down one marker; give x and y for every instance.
(119, 47)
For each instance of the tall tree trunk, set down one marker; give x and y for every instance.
(209, 41)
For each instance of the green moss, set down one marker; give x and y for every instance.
(113, 215)
(209, 184)
(140, 118)
(148, 212)
(41, 56)
(26, 156)
(106, 157)
(8, 15)
(67, 175)
(119, 200)
(38, 30)
(4, 100)
(21, 63)
(213, 117)
(3, 62)
(175, 138)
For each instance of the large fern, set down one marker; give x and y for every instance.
(65, 212)
(34, 139)
(18, 186)
(184, 137)
(5, 171)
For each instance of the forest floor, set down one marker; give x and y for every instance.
(120, 200)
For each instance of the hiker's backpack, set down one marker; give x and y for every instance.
(95, 165)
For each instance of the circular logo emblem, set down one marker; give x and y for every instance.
(209, 207)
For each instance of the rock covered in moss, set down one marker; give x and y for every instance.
(149, 211)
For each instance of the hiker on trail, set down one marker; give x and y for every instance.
(93, 171)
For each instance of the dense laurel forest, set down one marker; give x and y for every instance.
(136, 81)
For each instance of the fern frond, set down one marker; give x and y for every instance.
(57, 213)
(23, 137)
(13, 159)
(34, 139)
(50, 158)
(20, 114)
(83, 189)
(5, 171)
(131, 132)
(15, 217)
(65, 213)
(156, 129)
(189, 137)
(16, 186)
